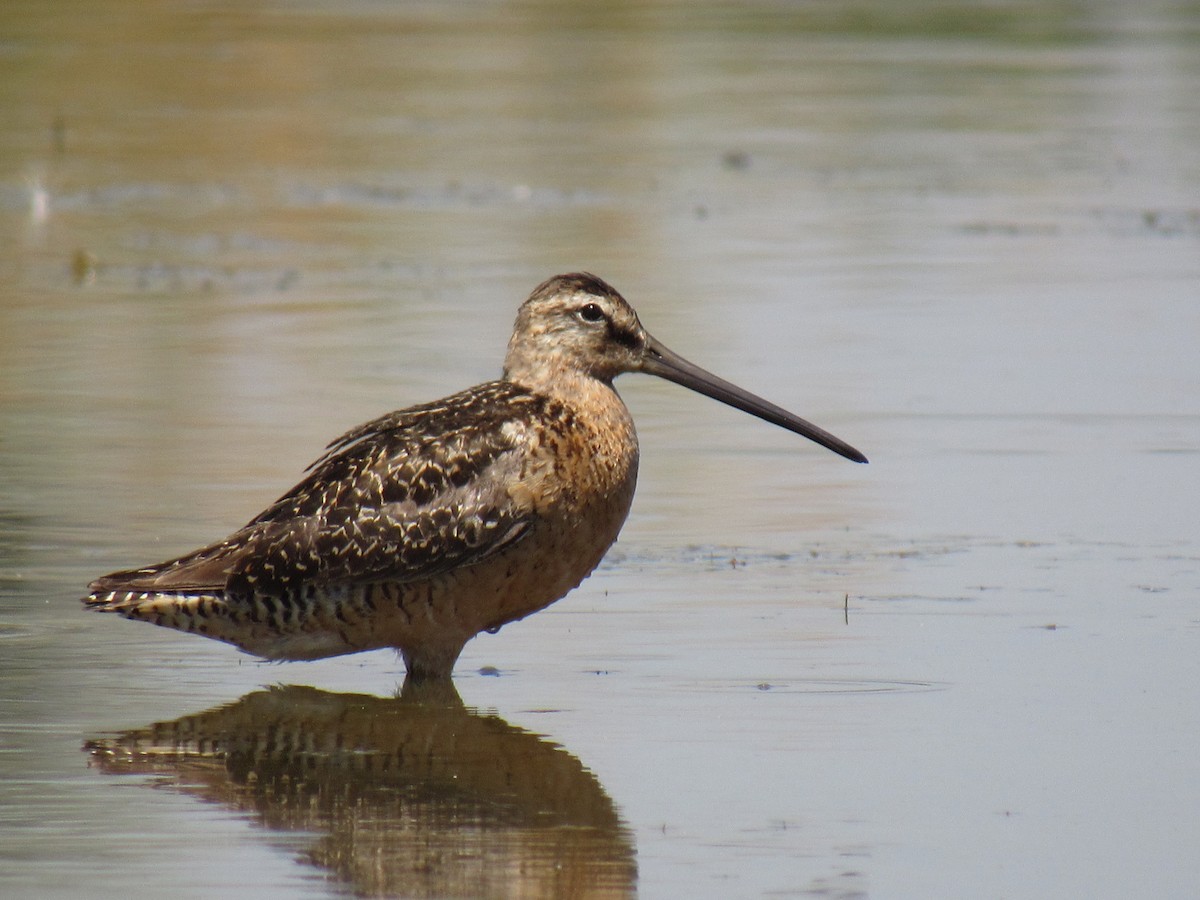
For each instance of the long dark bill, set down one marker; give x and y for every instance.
(670, 365)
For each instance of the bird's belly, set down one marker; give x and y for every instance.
(557, 554)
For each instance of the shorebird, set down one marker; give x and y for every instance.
(422, 528)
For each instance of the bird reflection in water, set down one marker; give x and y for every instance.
(415, 796)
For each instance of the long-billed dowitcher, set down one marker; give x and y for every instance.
(424, 527)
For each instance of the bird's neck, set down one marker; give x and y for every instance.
(592, 399)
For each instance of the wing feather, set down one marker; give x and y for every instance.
(400, 498)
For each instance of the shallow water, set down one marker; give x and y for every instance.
(966, 239)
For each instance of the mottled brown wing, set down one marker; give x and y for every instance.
(400, 498)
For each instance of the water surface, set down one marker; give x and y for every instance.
(964, 238)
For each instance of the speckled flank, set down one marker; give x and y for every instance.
(424, 527)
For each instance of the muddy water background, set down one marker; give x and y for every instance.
(964, 237)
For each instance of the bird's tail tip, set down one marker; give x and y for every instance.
(106, 600)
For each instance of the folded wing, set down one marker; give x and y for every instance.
(401, 498)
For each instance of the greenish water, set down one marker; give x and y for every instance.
(964, 237)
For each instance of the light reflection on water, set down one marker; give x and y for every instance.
(963, 238)
(415, 796)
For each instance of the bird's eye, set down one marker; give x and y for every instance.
(591, 313)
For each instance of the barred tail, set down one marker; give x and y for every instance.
(200, 612)
(267, 627)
